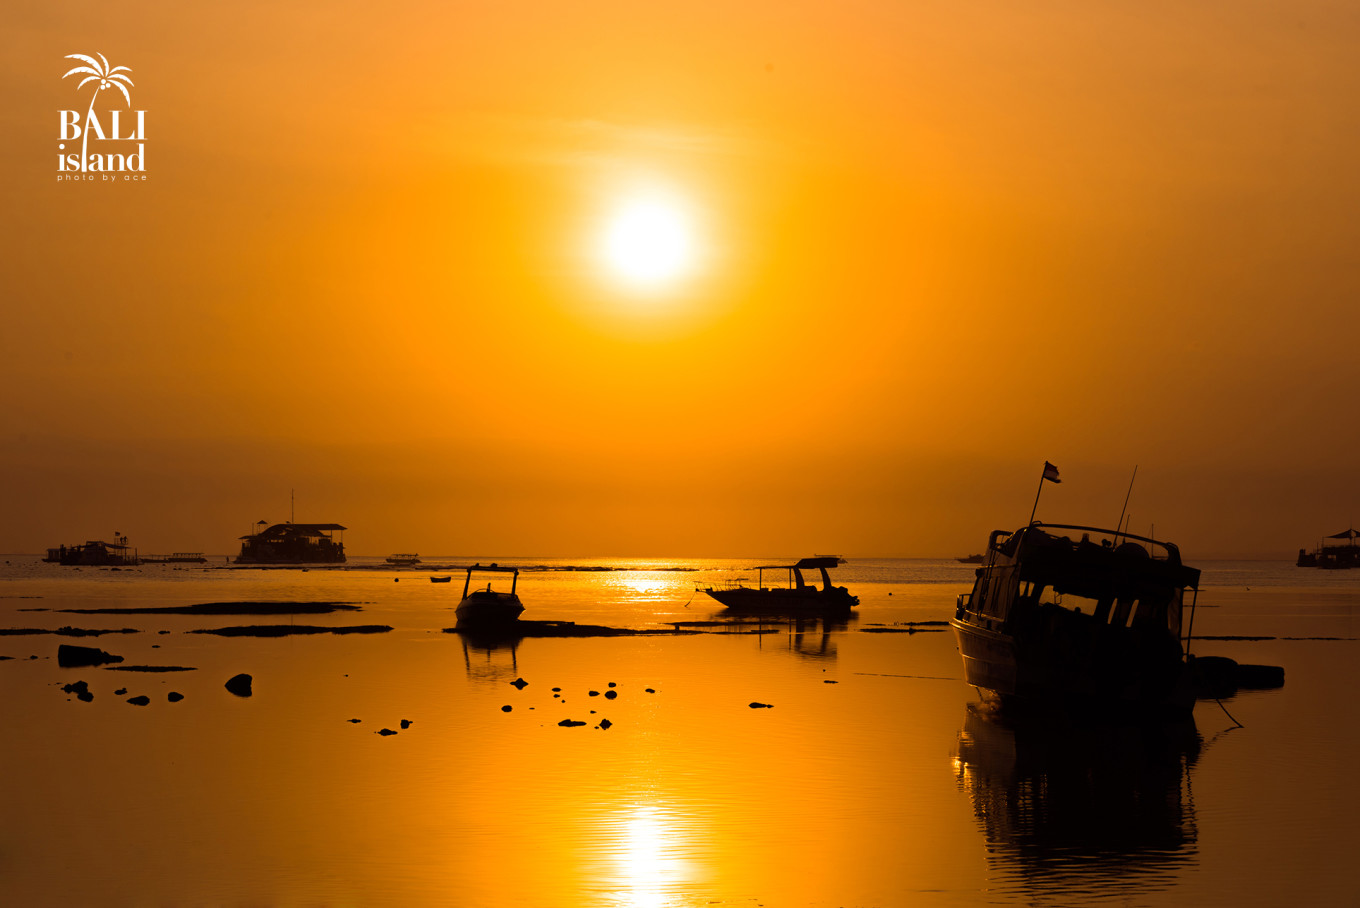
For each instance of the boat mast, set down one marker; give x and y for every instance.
(1117, 526)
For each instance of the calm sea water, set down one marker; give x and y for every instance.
(870, 780)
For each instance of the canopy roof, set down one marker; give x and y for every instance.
(1348, 534)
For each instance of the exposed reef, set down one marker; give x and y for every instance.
(287, 630)
(224, 608)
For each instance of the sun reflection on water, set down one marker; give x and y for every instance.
(647, 858)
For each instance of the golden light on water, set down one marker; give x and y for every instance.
(648, 867)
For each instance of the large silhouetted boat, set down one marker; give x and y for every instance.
(487, 609)
(404, 559)
(95, 553)
(794, 597)
(1079, 617)
(293, 543)
(1334, 556)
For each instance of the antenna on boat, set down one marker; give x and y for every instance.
(1122, 510)
(292, 507)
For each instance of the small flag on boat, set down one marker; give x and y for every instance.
(1051, 472)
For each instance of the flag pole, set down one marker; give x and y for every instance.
(1035, 509)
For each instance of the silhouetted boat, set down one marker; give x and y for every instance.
(1333, 557)
(482, 609)
(970, 559)
(1090, 623)
(95, 553)
(177, 558)
(444, 579)
(794, 597)
(403, 560)
(293, 543)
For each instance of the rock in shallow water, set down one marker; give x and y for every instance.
(240, 685)
(69, 656)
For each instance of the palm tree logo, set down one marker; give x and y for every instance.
(107, 77)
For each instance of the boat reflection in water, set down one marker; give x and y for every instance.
(1102, 808)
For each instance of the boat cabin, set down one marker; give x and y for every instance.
(294, 543)
(1113, 578)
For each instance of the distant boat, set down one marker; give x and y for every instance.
(444, 579)
(95, 553)
(971, 559)
(293, 543)
(1093, 622)
(1333, 557)
(796, 596)
(177, 558)
(403, 560)
(488, 609)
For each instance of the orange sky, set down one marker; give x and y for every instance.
(941, 243)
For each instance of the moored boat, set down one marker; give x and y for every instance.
(403, 559)
(96, 553)
(294, 543)
(1088, 622)
(795, 597)
(1334, 556)
(487, 608)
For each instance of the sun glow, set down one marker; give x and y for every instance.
(649, 242)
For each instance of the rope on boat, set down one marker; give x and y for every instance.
(1228, 714)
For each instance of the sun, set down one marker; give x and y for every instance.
(649, 242)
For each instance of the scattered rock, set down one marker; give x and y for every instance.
(81, 690)
(612, 684)
(650, 690)
(755, 705)
(610, 694)
(570, 723)
(557, 690)
(356, 721)
(143, 700)
(174, 696)
(829, 681)
(240, 685)
(519, 683)
(594, 693)
(120, 691)
(385, 732)
(506, 708)
(405, 724)
(604, 725)
(70, 656)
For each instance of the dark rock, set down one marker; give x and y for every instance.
(385, 732)
(650, 690)
(610, 694)
(755, 705)
(519, 683)
(594, 693)
(828, 681)
(70, 656)
(405, 724)
(612, 684)
(570, 723)
(557, 690)
(120, 691)
(143, 700)
(506, 708)
(604, 725)
(174, 696)
(240, 685)
(76, 687)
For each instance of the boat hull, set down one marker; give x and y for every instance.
(785, 601)
(1077, 668)
(487, 609)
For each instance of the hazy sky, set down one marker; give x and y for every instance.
(926, 247)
